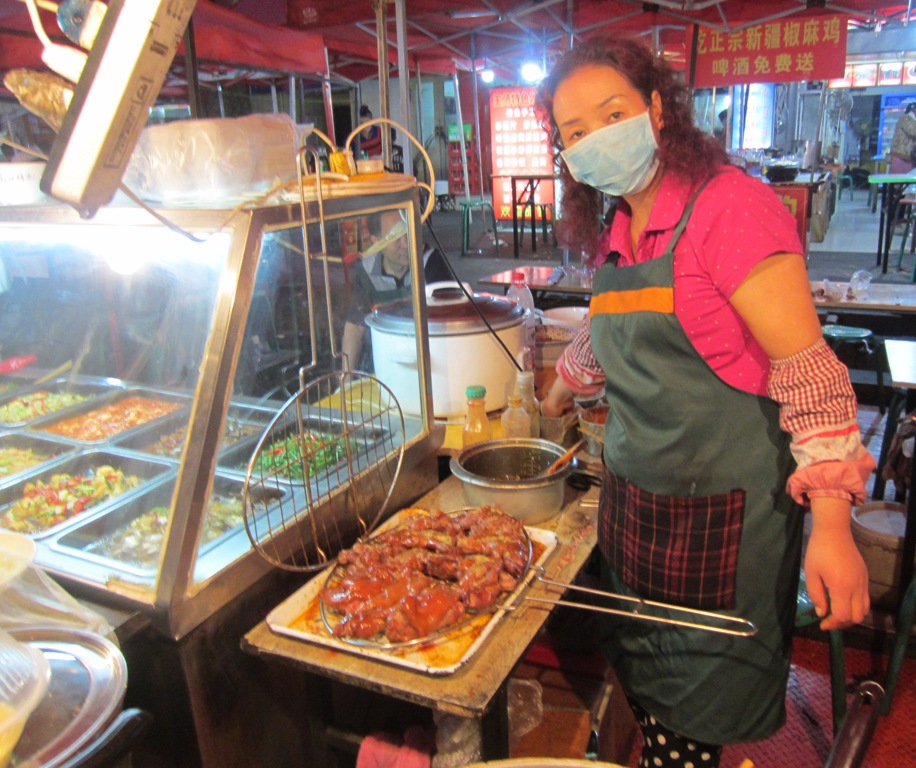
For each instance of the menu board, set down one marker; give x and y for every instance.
(521, 150)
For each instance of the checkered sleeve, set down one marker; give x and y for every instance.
(818, 409)
(577, 367)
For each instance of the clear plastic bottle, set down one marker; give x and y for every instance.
(524, 388)
(515, 419)
(476, 425)
(520, 293)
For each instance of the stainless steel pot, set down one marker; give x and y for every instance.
(462, 349)
(510, 473)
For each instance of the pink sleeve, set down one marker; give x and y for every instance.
(818, 409)
(577, 367)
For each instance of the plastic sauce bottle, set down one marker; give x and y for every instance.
(520, 293)
(476, 424)
(515, 419)
(524, 388)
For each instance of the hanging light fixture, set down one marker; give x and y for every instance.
(531, 72)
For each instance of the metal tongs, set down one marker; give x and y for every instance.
(731, 625)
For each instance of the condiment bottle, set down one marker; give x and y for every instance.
(476, 424)
(524, 387)
(515, 419)
(520, 293)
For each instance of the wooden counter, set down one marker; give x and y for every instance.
(475, 693)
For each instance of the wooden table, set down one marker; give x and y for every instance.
(475, 694)
(882, 297)
(901, 361)
(542, 281)
(891, 186)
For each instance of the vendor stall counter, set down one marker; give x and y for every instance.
(143, 359)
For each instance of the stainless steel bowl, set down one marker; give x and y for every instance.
(510, 473)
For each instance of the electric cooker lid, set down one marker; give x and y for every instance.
(449, 313)
(88, 682)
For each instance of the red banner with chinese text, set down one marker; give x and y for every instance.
(520, 150)
(782, 51)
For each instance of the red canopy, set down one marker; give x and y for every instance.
(222, 37)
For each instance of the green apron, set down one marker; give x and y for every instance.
(694, 512)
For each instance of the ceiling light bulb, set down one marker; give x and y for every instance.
(486, 75)
(531, 72)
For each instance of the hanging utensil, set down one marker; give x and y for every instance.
(324, 470)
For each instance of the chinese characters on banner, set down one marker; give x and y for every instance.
(787, 50)
(520, 149)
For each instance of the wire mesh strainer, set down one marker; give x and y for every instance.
(324, 470)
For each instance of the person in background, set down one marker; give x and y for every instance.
(382, 276)
(729, 414)
(903, 144)
(370, 137)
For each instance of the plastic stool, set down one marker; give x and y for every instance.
(466, 207)
(844, 181)
(839, 335)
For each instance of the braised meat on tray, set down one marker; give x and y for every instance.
(430, 572)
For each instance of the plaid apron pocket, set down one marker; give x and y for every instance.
(673, 549)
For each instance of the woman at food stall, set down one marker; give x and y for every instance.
(728, 413)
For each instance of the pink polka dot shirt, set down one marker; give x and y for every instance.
(737, 221)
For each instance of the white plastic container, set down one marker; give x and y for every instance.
(19, 183)
(878, 528)
(24, 678)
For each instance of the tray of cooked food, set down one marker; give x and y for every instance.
(63, 491)
(20, 407)
(22, 452)
(166, 436)
(117, 414)
(132, 534)
(315, 449)
(423, 593)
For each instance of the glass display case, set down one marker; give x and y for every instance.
(142, 359)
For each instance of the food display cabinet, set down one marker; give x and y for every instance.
(143, 357)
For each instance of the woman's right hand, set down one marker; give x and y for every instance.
(559, 400)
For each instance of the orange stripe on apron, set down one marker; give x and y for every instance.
(649, 299)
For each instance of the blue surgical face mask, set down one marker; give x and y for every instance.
(619, 159)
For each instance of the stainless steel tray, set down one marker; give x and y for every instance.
(82, 463)
(45, 449)
(87, 410)
(103, 538)
(91, 391)
(237, 457)
(165, 437)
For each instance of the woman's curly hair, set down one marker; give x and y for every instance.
(684, 149)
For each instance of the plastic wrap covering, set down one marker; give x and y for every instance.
(211, 160)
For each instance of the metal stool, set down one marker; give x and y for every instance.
(905, 618)
(466, 207)
(804, 617)
(838, 336)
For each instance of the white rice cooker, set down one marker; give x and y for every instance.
(462, 349)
